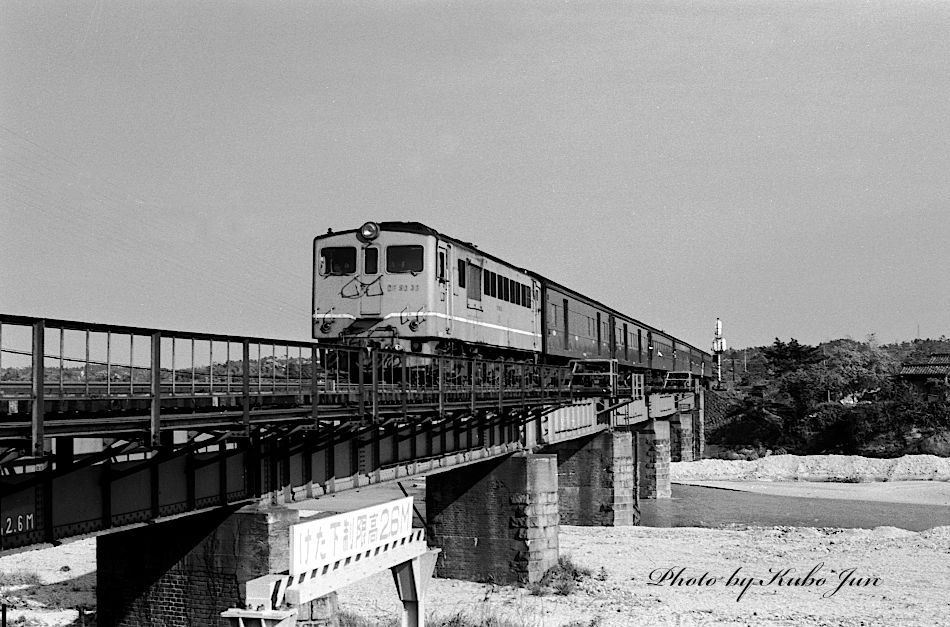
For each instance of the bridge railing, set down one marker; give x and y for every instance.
(396, 377)
(66, 368)
(91, 361)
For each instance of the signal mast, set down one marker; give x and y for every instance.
(718, 348)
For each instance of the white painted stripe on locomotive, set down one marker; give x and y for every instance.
(489, 325)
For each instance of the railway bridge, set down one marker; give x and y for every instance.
(188, 454)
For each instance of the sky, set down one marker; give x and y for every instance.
(781, 165)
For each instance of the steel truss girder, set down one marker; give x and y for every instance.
(263, 468)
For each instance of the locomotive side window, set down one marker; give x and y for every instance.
(401, 259)
(441, 276)
(567, 341)
(370, 261)
(337, 260)
(461, 280)
(474, 282)
(498, 286)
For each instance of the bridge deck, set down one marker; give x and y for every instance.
(189, 421)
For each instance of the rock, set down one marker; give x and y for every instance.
(936, 444)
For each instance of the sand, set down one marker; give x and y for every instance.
(840, 468)
(903, 575)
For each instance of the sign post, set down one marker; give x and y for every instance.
(331, 552)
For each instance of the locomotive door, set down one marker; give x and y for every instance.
(612, 334)
(371, 288)
(444, 275)
(536, 305)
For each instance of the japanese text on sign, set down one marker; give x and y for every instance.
(325, 540)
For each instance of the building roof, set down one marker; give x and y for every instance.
(937, 365)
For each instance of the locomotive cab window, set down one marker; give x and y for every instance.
(400, 259)
(337, 260)
(461, 268)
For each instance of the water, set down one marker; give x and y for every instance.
(696, 506)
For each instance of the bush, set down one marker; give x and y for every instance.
(352, 620)
(564, 586)
(751, 423)
(536, 589)
(20, 578)
(562, 577)
(461, 620)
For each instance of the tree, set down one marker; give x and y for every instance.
(783, 358)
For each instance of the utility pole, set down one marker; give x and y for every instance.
(718, 348)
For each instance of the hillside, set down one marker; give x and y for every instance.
(841, 396)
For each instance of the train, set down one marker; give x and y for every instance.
(406, 286)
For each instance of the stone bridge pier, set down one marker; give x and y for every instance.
(495, 521)
(652, 459)
(596, 479)
(681, 437)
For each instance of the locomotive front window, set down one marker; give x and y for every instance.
(337, 260)
(404, 259)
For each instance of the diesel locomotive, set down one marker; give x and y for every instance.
(405, 286)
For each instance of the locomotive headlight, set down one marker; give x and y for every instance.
(368, 232)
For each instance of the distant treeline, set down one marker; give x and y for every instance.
(841, 396)
(279, 367)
